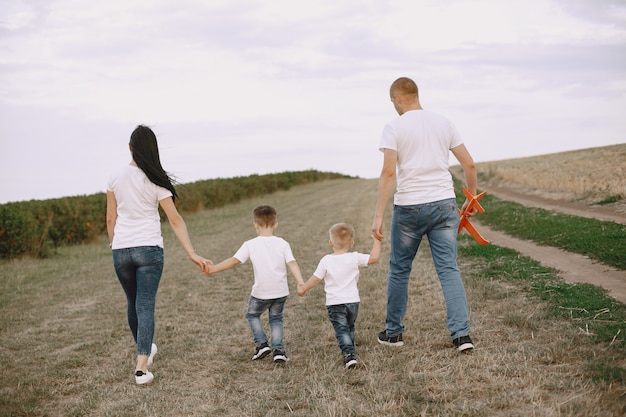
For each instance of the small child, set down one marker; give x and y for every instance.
(340, 270)
(270, 256)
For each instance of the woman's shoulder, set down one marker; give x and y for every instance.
(124, 170)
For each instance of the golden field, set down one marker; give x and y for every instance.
(587, 175)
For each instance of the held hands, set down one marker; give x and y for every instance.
(301, 289)
(377, 229)
(202, 263)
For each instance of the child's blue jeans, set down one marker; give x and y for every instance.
(275, 308)
(343, 317)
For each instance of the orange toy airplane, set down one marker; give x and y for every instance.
(465, 223)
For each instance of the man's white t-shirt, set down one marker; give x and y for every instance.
(341, 275)
(138, 222)
(423, 140)
(269, 256)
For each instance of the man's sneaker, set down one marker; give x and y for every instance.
(463, 343)
(153, 352)
(143, 377)
(261, 351)
(383, 339)
(349, 361)
(280, 356)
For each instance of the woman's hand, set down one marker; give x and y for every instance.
(202, 263)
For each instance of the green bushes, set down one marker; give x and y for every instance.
(34, 228)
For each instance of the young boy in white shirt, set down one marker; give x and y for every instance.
(340, 272)
(270, 256)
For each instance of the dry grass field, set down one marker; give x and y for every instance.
(588, 175)
(65, 348)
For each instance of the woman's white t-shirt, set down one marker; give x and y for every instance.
(138, 222)
(341, 275)
(269, 256)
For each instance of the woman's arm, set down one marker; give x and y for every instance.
(180, 230)
(111, 215)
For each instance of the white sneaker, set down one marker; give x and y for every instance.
(143, 377)
(153, 352)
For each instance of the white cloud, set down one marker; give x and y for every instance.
(307, 80)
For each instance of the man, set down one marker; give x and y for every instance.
(416, 145)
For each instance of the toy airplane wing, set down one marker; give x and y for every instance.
(465, 223)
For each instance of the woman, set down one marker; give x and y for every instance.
(133, 223)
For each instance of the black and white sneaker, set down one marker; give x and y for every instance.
(383, 339)
(463, 343)
(349, 361)
(261, 351)
(143, 377)
(280, 356)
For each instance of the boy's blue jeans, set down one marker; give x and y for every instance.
(343, 317)
(439, 221)
(275, 308)
(139, 271)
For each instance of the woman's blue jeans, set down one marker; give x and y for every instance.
(439, 221)
(343, 317)
(139, 271)
(275, 308)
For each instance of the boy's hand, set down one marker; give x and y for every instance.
(301, 290)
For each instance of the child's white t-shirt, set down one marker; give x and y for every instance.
(269, 256)
(341, 274)
(138, 222)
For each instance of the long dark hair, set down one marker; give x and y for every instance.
(143, 145)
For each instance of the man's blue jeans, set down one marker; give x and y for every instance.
(275, 308)
(439, 221)
(139, 271)
(343, 317)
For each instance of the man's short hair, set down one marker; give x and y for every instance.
(403, 85)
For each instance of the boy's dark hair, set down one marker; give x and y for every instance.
(265, 216)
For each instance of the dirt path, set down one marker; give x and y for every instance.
(574, 268)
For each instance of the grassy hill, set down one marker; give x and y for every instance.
(65, 348)
(588, 175)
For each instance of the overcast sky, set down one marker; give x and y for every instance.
(238, 87)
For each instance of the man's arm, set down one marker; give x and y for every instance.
(469, 169)
(386, 186)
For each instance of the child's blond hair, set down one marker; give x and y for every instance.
(341, 234)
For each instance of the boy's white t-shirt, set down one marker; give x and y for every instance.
(138, 222)
(269, 256)
(423, 140)
(341, 275)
